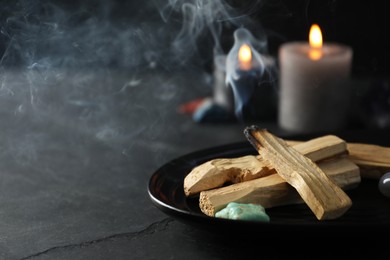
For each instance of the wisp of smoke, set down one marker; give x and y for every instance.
(201, 19)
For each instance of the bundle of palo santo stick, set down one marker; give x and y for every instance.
(316, 172)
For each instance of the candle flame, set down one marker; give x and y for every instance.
(315, 41)
(245, 57)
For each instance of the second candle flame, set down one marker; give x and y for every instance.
(315, 41)
(245, 57)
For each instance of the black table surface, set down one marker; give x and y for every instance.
(77, 151)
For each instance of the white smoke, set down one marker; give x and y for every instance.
(204, 20)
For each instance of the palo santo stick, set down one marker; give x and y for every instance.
(273, 190)
(323, 196)
(373, 160)
(369, 154)
(217, 172)
(322, 147)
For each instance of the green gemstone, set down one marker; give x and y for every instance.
(241, 211)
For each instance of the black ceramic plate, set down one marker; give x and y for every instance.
(370, 211)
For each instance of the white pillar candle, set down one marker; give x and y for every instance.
(314, 89)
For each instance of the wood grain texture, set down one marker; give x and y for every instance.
(217, 172)
(323, 196)
(273, 190)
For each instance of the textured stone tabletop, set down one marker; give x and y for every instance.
(77, 153)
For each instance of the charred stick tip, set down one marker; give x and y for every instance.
(248, 132)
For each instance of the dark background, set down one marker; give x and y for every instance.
(100, 33)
